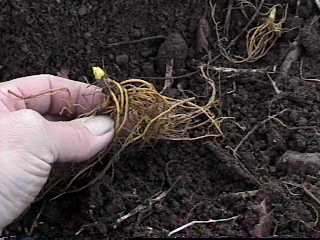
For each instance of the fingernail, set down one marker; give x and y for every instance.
(98, 125)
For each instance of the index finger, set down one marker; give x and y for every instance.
(48, 94)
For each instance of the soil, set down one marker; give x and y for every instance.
(164, 185)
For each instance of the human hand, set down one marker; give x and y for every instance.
(30, 142)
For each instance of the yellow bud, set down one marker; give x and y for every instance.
(272, 15)
(98, 73)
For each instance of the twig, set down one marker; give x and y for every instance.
(35, 221)
(305, 189)
(244, 195)
(233, 164)
(48, 189)
(254, 129)
(306, 79)
(87, 226)
(314, 128)
(234, 88)
(290, 191)
(169, 71)
(133, 212)
(316, 221)
(228, 18)
(310, 194)
(201, 222)
(238, 70)
(142, 207)
(136, 41)
(274, 85)
(216, 25)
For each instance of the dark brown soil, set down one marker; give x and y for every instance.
(173, 183)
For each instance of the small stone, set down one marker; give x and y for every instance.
(148, 69)
(122, 59)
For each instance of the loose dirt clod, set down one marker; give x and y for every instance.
(175, 47)
(310, 37)
(203, 35)
(265, 225)
(299, 163)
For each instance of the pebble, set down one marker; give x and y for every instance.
(122, 59)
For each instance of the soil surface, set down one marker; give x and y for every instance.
(157, 187)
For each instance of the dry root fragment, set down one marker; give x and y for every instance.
(214, 221)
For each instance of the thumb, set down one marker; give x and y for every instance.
(80, 139)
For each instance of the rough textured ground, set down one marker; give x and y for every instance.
(173, 183)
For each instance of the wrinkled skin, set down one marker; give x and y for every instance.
(32, 138)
